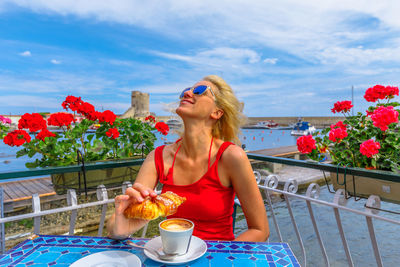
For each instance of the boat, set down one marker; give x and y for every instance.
(302, 128)
(268, 124)
(174, 123)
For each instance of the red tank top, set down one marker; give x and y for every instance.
(209, 204)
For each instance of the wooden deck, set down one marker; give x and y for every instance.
(24, 189)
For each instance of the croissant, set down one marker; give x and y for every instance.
(151, 208)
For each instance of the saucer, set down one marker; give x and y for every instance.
(109, 258)
(197, 249)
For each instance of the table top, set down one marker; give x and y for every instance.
(51, 250)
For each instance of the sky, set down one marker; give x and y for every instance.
(282, 58)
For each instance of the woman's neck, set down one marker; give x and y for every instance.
(196, 140)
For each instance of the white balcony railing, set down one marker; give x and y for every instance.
(268, 186)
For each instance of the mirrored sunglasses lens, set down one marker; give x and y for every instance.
(183, 92)
(199, 89)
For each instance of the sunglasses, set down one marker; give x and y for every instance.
(198, 90)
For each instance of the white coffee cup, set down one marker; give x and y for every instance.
(175, 235)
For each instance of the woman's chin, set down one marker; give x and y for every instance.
(180, 111)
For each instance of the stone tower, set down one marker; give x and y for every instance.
(139, 105)
(140, 102)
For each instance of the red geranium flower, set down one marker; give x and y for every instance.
(380, 92)
(34, 122)
(93, 116)
(43, 134)
(370, 148)
(17, 138)
(72, 102)
(107, 116)
(340, 125)
(391, 91)
(337, 134)
(60, 119)
(162, 127)
(150, 118)
(342, 106)
(306, 144)
(85, 108)
(382, 117)
(112, 133)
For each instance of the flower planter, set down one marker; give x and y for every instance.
(108, 177)
(365, 186)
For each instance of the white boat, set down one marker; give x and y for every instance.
(303, 128)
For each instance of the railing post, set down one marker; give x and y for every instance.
(36, 209)
(72, 201)
(102, 195)
(125, 185)
(340, 199)
(2, 230)
(313, 191)
(291, 187)
(272, 182)
(375, 202)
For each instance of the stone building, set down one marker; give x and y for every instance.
(139, 106)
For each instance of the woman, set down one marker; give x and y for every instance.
(202, 166)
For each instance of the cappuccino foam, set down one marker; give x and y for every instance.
(176, 225)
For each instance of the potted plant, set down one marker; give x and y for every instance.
(370, 140)
(84, 134)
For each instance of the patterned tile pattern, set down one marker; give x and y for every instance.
(63, 250)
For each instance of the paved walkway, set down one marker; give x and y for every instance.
(304, 176)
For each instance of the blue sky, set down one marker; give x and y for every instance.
(292, 58)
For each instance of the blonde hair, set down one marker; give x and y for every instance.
(227, 127)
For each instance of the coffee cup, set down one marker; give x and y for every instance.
(176, 234)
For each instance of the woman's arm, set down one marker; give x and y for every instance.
(118, 226)
(244, 183)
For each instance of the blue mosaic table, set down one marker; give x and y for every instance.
(48, 250)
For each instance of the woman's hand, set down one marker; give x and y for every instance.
(120, 227)
(138, 192)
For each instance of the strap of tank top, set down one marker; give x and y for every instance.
(209, 153)
(176, 152)
(159, 161)
(222, 149)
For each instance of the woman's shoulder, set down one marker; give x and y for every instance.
(168, 148)
(234, 153)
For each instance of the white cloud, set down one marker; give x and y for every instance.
(173, 56)
(55, 61)
(271, 61)
(25, 54)
(219, 60)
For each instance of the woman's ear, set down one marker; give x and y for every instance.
(217, 114)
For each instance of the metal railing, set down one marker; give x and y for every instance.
(268, 186)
